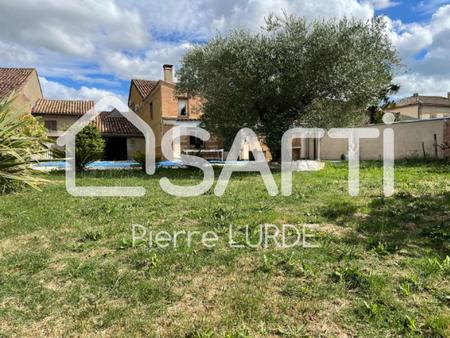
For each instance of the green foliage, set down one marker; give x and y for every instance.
(22, 140)
(140, 158)
(327, 73)
(439, 325)
(89, 147)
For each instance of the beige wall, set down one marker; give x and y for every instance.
(426, 111)
(62, 123)
(431, 112)
(407, 141)
(135, 145)
(28, 94)
(135, 99)
(408, 111)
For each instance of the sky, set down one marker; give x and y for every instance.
(85, 49)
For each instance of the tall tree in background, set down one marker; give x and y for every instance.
(375, 113)
(322, 74)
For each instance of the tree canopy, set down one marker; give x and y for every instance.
(321, 74)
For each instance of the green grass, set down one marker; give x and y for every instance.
(67, 266)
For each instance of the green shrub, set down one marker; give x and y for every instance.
(89, 147)
(140, 158)
(22, 140)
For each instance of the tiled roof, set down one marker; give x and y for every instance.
(62, 107)
(144, 86)
(108, 123)
(12, 78)
(427, 100)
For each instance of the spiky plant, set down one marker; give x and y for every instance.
(22, 141)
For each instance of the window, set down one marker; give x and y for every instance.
(182, 107)
(151, 110)
(50, 125)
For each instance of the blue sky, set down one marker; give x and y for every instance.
(86, 49)
(412, 10)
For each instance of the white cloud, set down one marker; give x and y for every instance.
(199, 19)
(425, 85)
(55, 90)
(71, 27)
(409, 39)
(430, 6)
(147, 66)
(382, 4)
(11, 53)
(430, 75)
(82, 40)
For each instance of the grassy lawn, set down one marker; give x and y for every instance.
(68, 267)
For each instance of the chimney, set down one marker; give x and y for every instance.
(168, 73)
(448, 96)
(416, 94)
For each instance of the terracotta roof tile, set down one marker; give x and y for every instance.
(109, 123)
(12, 78)
(144, 86)
(62, 107)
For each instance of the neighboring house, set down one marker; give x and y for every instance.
(422, 107)
(158, 104)
(123, 139)
(23, 83)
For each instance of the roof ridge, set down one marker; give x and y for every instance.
(144, 80)
(67, 100)
(24, 68)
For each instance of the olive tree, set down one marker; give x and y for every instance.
(321, 74)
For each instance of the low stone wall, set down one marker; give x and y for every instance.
(412, 139)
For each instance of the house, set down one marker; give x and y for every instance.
(123, 139)
(158, 104)
(23, 83)
(421, 107)
(106, 122)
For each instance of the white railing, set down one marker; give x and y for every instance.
(200, 152)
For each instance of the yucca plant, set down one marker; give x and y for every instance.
(22, 141)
